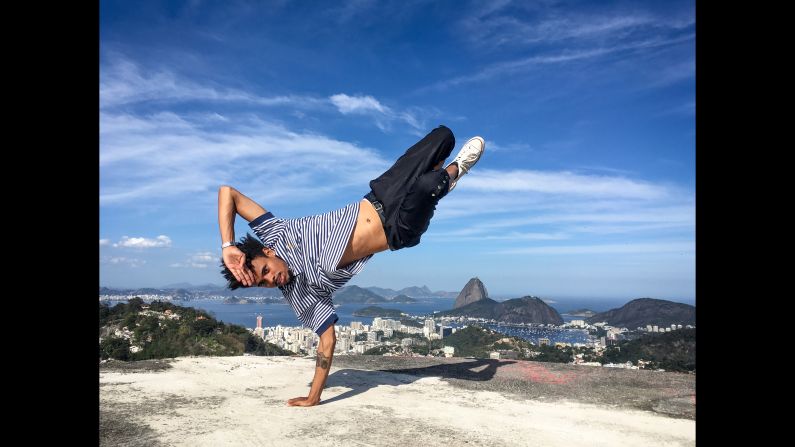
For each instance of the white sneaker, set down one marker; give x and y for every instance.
(467, 157)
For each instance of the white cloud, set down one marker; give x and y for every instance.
(640, 214)
(609, 170)
(514, 66)
(381, 114)
(505, 30)
(493, 146)
(200, 260)
(178, 160)
(195, 265)
(104, 242)
(121, 260)
(123, 82)
(524, 205)
(353, 9)
(357, 104)
(552, 38)
(204, 256)
(622, 218)
(687, 109)
(164, 157)
(682, 247)
(479, 233)
(563, 183)
(533, 23)
(142, 242)
(517, 235)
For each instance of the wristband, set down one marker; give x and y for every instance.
(227, 244)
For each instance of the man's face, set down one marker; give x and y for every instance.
(270, 270)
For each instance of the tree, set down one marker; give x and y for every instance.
(378, 350)
(115, 348)
(135, 304)
(554, 354)
(258, 346)
(203, 327)
(104, 313)
(129, 321)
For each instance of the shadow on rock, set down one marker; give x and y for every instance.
(361, 380)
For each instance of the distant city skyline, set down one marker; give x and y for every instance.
(570, 302)
(586, 188)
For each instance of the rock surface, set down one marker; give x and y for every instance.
(371, 400)
(473, 291)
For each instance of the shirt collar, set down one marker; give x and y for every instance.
(291, 257)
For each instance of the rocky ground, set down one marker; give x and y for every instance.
(372, 400)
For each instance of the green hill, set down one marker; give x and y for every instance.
(356, 295)
(580, 313)
(375, 311)
(671, 351)
(136, 331)
(402, 299)
(527, 309)
(483, 308)
(644, 311)
(472, 341)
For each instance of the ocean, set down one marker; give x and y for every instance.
(281, 314)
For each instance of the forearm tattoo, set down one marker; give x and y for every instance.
(323, 361)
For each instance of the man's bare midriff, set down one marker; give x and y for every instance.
(368, 235)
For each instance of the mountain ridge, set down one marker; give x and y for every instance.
(473, 291)
(647, 311)
(527, 309)
(187, 291)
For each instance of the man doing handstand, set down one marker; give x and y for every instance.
(311, 257)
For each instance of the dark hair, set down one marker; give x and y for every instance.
(252, 248)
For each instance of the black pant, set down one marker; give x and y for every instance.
(410, 189)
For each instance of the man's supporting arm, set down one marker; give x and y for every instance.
(325, 352)
(232, 202)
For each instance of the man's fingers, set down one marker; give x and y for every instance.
(245, 277)
(237, 265)
(240, 276)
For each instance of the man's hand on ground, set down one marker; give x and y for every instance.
(302, 402)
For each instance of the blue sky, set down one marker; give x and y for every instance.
(586, 188)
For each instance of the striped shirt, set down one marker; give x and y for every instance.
(312, 247)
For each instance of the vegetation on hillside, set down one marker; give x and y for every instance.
(375, 311)
(671, 351)
(130, 332)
